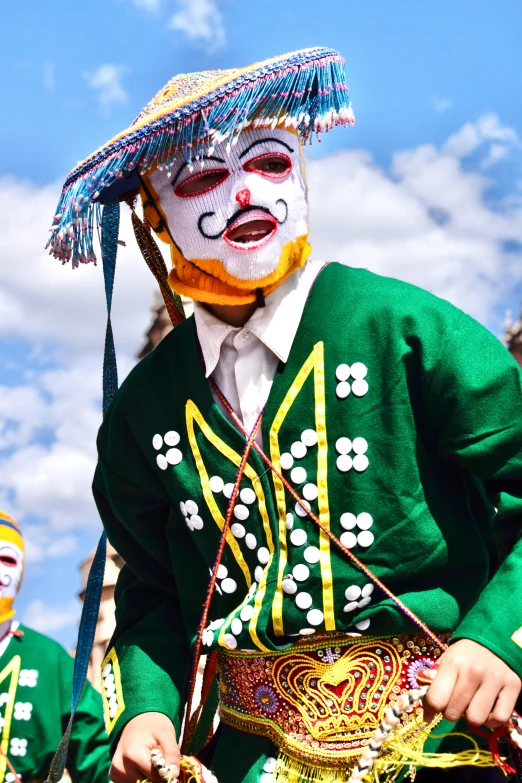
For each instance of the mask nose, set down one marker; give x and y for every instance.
(243, 197)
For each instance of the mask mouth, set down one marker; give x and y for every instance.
(250, 231)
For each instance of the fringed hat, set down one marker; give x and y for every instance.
(305, 90)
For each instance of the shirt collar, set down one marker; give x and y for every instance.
(275, 325)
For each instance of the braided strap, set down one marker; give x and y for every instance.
(191, 770)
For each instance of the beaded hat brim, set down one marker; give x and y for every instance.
(305, 90)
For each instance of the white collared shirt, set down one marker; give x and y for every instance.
(243, 360)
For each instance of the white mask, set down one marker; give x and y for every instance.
(11, 569)
(239, 218)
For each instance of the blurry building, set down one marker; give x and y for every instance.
(513, 335)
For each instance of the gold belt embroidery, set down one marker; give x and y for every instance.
(321, 701)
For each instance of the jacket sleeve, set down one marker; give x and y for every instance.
(148, 657)
(88, 759)
(475, 404)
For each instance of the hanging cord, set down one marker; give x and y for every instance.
(190, 724)
(12, 770)
(91, 603)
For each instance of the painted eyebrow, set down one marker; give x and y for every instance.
(212, 157)
(263, 141)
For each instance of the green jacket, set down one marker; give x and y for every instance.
(432, 445)
(35, 695)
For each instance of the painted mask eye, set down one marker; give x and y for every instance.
(201, 183)
(274, 165)
(8, 560)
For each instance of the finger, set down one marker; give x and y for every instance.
(139, 767)
(166, 740)
(468, 683)
(504, 706)
(482, 703)
(439, 692)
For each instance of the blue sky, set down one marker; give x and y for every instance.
(436, 93)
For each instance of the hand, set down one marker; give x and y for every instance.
(131, 760)
(472, 681)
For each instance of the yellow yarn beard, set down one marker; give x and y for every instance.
(7, 611)
(208, 281)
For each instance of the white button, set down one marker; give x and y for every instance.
(360, 462)
(359, 370)
(228, 489)
(348, 540)
(191, 507)
(315, 617)
(162, 462)
(250, 541)
(289, 586)
(216, 484)
(289, 521)
(247, 495)
(364, 521)
(230, 641)
(310, 491)
(309, 437)
(303, 600)
(302, 508)
(247, 612)
(300, 572)
(229, 585)
(348, 521)
(269, 765)
(363, 625)
(350, 607)
(359, 388)
(110, 689)
(352, 593)
(109, 678)
(364, 602)
(366, 538)
(196, 522)
(236, 626)
(306, 631)
(286, 460)
(298, 475)
(360, 445)
(208, 637)
(172, 438)
(113, 700)
(263, 555)
(343, 445)
(298, 449)
(266, 777)
(298, 537)
(238, 530)
(342, 372)
(106, 670)
(312, 554)
(241, 512)
(157, 442)
(343, 390)
(259, 573)
(367, 590)
(344, 463)
(113, 710)
(174, 456)
(215, 624)
(222, 571)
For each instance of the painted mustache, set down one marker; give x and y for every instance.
(240, 214)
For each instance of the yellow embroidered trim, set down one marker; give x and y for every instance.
(314, 362)
(322, 485)
(112, 659)
(193, 413)
(13, 669)
(517, 637)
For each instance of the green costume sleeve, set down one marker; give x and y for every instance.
(88, 760)
(475, 404)
(146, 664)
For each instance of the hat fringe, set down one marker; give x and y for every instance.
(306, 91)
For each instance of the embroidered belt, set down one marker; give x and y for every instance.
(321, 701)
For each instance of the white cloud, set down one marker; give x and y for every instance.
(200, 20)
(147, 5)
(440, 105)
(106, 81)
(49, 76)
(45, 618)
(470, 137)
